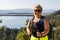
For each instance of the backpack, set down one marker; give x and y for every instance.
(50, 32)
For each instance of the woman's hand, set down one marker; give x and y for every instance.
(38, 34)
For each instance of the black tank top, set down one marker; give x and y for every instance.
(38, 27)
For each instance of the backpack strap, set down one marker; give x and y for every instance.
(31, 20)
(42, 18)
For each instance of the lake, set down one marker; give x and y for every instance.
(14, 21)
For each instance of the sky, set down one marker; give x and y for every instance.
(21, 4)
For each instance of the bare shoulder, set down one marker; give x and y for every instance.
(46, 20)
(46, 24)
(28, 24)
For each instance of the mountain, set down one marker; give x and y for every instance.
(25, 11)
(16, 11)
(48, 10)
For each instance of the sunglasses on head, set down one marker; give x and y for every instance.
(37, 10)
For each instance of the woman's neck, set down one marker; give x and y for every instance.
(37, 17)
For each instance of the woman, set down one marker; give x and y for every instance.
(41, 34)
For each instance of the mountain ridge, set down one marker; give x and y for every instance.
(24, 11)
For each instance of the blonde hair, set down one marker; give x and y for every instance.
(38, 6)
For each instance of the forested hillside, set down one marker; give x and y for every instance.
(54, 18)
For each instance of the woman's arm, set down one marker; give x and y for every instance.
(28, 28)
(46, 27)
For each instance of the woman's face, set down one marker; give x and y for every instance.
(37, 11)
